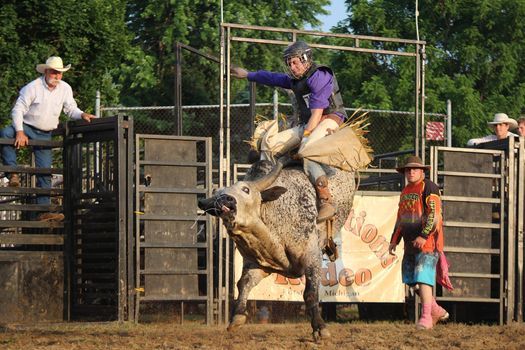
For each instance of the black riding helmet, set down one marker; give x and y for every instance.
(298, 49)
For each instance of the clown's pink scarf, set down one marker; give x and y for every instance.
(442, 272)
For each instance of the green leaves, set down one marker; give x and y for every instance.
(474, 52)
(126, 49)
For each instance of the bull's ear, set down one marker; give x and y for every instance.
(272, 193)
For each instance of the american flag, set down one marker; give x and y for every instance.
(435, 131)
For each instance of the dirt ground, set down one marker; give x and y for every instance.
(192, 335)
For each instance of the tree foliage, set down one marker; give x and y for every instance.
(474, 51)
(159, 24)
(125, 48)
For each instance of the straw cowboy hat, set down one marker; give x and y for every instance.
(412, 162)
(502, 118)
(53, 62)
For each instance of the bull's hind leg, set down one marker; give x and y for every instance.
(311, 300)
(250, 277)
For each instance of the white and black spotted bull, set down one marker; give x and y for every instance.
(271, 217)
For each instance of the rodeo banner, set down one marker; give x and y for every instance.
(364, 271)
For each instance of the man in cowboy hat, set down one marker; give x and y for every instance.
(420, 224)
(35, 114)
(501, 125)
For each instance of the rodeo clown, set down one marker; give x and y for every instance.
(320, 108)
(420, 224)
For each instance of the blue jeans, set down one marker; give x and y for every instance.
(313, 169)
(43, 155)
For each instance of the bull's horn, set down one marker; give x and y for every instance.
(267, 180)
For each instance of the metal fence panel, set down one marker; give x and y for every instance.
(31, 256)
(98, 204)
(476, 235)
(174, 244)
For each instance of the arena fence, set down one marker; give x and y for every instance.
(98, 205)
(174, 239)
(484, 209)
(483, 195)
(479, 229)
(388, 130)
(31, 252)
(78, 268)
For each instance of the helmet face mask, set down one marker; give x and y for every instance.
(303, 52)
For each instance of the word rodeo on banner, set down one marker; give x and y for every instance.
(364, 271)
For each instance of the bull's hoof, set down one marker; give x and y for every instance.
(321, 334)
(325, 333)
(237, 321)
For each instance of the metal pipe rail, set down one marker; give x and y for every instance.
(31, 142)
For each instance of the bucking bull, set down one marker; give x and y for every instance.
(271, 217)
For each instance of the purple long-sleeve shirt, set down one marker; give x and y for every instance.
(320, 84)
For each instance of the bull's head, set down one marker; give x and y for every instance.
(240, 204)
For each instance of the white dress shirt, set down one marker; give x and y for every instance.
(40, 107)
(488, 138)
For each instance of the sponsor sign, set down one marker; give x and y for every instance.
(364, 271)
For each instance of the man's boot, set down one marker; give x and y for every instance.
(324, 199)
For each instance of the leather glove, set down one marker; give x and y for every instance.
(304, 140)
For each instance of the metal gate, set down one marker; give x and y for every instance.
(98, 204)
(174, 240)
(476, 236)
(31, 256)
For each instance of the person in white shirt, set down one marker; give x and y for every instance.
(501, 125)
(35, 114)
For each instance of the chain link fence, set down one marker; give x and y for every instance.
(388, 131)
